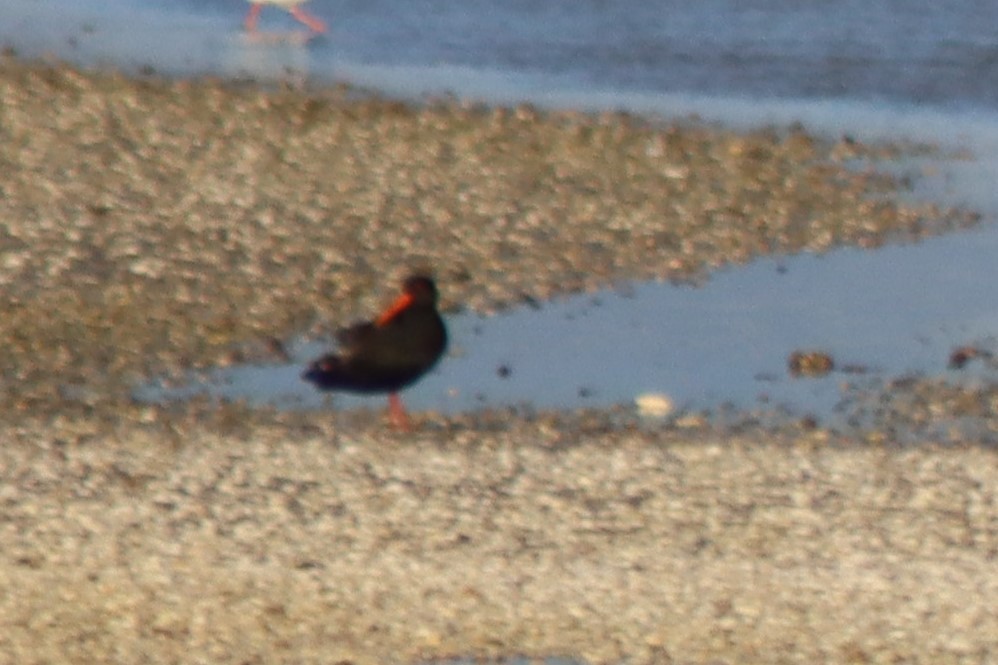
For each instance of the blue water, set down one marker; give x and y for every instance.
(890, 313)
(940, 53)
(911, 70)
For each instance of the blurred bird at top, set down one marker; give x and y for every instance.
(315, 24)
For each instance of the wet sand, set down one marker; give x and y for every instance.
(152, 226)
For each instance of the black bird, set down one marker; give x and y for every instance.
(389, 353)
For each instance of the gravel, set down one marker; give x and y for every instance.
(150, 226)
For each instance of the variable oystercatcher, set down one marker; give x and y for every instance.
(314, 23)
(389, 353)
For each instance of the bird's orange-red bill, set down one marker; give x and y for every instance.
(400, 304)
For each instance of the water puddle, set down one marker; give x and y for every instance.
(896, 311)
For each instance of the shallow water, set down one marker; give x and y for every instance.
(897, 311)
(934, 52)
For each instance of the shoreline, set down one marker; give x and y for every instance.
(152, 226)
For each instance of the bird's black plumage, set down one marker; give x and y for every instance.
(390, 353)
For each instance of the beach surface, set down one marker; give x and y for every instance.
(148, 227)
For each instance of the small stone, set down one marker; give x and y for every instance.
(810, 364)
(654, 405)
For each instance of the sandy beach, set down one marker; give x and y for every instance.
(151, 226)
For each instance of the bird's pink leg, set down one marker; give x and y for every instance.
(252, 17)
(314, 23)
(397, 413)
